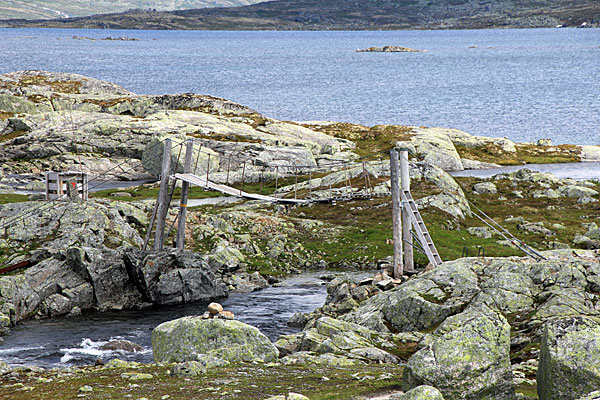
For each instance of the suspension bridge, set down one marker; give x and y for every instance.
(355, 181)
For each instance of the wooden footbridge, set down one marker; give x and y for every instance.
(405, 213)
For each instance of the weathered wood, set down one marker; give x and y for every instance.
(163, 197)
(150, 226)
(409, 265)
(396, 213)
(187, 167)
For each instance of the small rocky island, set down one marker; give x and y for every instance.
(498, 326)
(390, 49)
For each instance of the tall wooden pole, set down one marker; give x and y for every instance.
(396, 213)
(163, 197)
(409, 265)
(187, 167)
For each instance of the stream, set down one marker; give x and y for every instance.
(68, 341)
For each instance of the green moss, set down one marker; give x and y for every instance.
(368, 140)
(525, 154)
(58, 86)
(222, 137)
(6, 115)
(12, 135)
(246, 382)
(108, 102)
(529, 391)
(12, 198)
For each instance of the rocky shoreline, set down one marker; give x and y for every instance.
(499, 326)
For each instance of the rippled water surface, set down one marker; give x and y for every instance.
(74, 341)
(523, 84)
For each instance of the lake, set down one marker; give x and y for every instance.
(523, 84)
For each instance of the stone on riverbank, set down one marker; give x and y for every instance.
(422, 392)
(197, 339)
(569, 358)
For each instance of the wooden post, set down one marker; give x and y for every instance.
(396, 213)
(187, 167)
(163, 197)
(296, 184)
(409, 265)
(72, 192)
(243, 173)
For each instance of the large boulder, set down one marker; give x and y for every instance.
(569, 358)
(203, 158)
(329, 335)
(467, 358)
(435, 147)
(421, 303)
(173, 277)
(106, 271)
(197, 339)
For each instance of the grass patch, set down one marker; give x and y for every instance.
(224, 137)
(529, 391)
(525, 154)
(144, 192)
(563, 212)
(12, 198)
(246, 382)
(6, 115)
(107, 103)
(12, 135)
(368, 140)
(58, 86)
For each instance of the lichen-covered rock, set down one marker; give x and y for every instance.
(467, 358)
(576, 191)
(190, 338)
(421, 303)
(203, 157)
(485, 188)
(423, 392)
(569, 355)
(436, 148)
(595, 395)
(187, 369)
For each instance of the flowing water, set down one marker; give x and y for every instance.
(66, 341)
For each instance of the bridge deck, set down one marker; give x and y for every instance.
(202, 182)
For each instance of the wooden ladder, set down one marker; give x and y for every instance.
(421, 229)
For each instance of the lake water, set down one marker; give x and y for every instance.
(523, 84)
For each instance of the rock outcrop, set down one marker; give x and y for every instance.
(390, 49)
(211, 342)
(461, 325)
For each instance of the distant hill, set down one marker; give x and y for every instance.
(351, 15)
(47, 9)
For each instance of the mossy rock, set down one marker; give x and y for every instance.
(192, 338)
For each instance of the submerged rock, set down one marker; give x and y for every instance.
(124, 345)
(197, 339)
